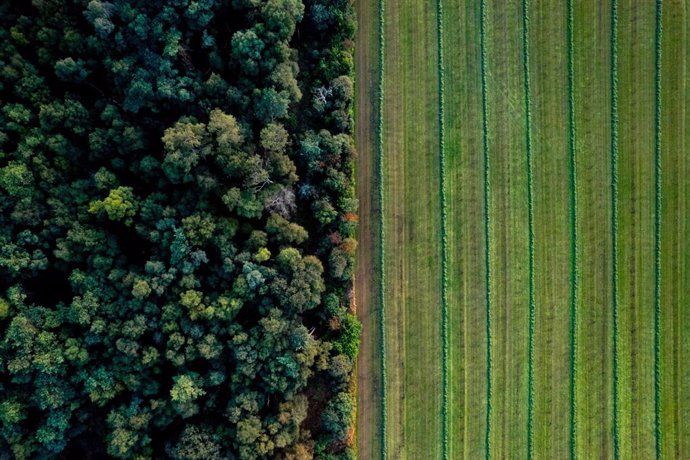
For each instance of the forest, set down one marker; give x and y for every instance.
(177, 229)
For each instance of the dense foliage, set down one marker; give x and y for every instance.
(176, 229)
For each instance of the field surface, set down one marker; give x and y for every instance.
(534, 152)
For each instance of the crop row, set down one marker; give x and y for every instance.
(657, 230)
(382, 234)
(487, 245)
(444, 232)
(614, 217)
(573, 232)
(530, 219)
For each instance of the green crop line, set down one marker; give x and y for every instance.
(444, 242)
(573, 233)
(382, 234)
(657, 230)
(530, 218)
(614, 216)
(487, 245)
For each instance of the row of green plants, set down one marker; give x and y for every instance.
(487, 245)
(573, 231)
(530, 218)
(444, 233)
(614, 217)
(381, 251)
(657, 229)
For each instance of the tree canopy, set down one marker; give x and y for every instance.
(177, 216)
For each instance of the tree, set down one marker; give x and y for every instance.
(271, 105)
(246, 50)
(120, 204)
(337, 416)
(196, 443)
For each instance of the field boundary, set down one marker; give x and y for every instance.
(444, 233)
(573, 231)
(614, 216)
(657, 229)
(381, 252)
(530, 220)
(487, 227)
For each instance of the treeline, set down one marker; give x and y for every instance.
(177, 215)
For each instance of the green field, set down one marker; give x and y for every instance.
(564, 312)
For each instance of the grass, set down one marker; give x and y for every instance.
(369, 414)
(522, 146)
(412, 228)
(465, 228)
(675, 248)
(635, 229)
(552, 245)
(594, 401)
(508, 228)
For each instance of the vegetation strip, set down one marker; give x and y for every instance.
(530, 218)
(614, 216)
(444, 255)
(657, 230)
(382, 254)
(573, 232)
(487, 245)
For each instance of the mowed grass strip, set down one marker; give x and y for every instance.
(674, 228)
(592, 60)
(367, 282)
(552, 244)
(508, 208)
(467, 378)
(411, 219)
(636, 228)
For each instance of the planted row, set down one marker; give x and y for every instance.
(530, 218)
(444, 233)
(657, 229)
(573, 230)
(487, 245)
(614, 216)
(381, 252)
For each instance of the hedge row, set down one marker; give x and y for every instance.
(530, 218)
(657, 230)
(381, 252)
(573, 232)
(487, 245)
(614, 216)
